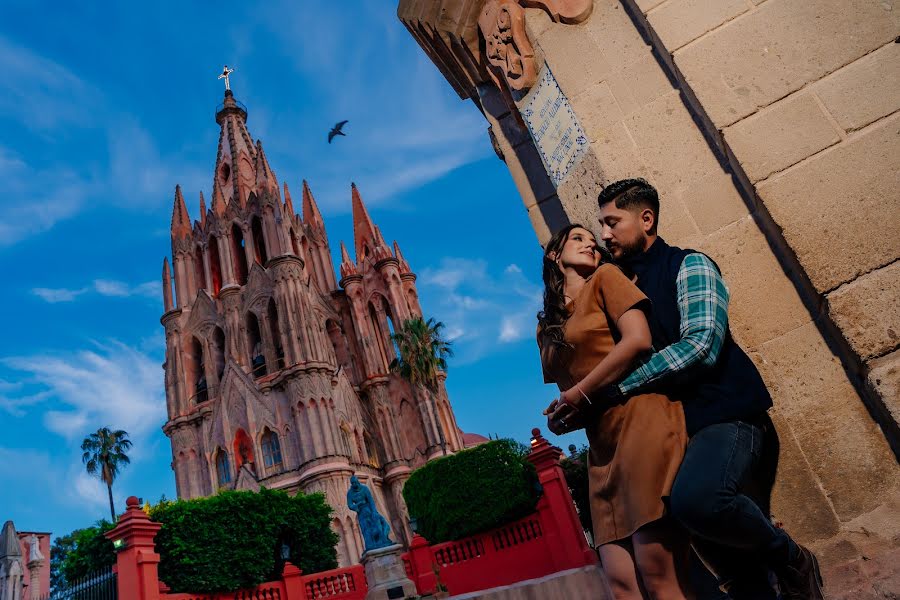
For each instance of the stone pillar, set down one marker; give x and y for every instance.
(559, 521)
(137, 560)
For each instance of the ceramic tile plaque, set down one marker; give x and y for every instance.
(553, 126)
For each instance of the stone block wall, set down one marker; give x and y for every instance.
(804, 97)
(771, 129)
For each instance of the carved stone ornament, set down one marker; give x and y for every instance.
(508, 50)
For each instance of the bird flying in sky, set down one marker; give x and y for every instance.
(336, 130)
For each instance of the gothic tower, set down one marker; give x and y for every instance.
(277, 374)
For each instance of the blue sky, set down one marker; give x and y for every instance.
(103, 109)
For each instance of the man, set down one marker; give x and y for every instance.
(716, 495)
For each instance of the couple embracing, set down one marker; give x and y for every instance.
(682, 450)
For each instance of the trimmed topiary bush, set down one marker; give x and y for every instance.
(472, 491)
(233, 540)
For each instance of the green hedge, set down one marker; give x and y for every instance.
(472, 491)
(232, 540)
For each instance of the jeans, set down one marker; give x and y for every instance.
(721, 496)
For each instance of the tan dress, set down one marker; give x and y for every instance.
(635, 447)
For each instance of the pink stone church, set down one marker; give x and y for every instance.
(276, 373)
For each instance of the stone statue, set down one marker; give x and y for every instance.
(374, 528)
(34, 553)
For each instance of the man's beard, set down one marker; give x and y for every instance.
(629, 249)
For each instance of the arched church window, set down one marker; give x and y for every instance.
(243, 449)
(254, 343)
(219, 350)
(275, 329)
(391, 331)
(215, 265)
(271, 449)
(226, 172)
(239, 254)
(223, 467)
(259, 242)
(199, 271)
(378, 332)
(201, 388)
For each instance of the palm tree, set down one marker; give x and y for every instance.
(104, 453)
(423, 354)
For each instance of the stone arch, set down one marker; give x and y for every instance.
(275, 330)
(197, 375)
(353, 537)
(258, 366)
(260, 252)
(199, 270)
(223, 467)
(271, 450)
(243, 449)
(218, 351)
(377, 329)
(239, 254)
(215, 266)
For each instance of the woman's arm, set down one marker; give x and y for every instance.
(635, 340)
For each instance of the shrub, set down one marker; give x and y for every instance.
(233, 540)
(575, 468)
(472, 491)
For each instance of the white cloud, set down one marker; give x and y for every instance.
(104, 287)
(111, 385)
(54, 295)
(481, 310)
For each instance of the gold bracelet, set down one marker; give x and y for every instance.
(585, 395)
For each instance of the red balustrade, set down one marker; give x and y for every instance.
(547, 541)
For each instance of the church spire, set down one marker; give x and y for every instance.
(404, 266)
(219, 205)
(348, 267)
(236, 159)
(288, 203)
(181, 221)
(265, 176)
(364, 235)
(202, 210)
(311, 214)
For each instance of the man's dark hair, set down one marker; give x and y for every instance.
(631, 194)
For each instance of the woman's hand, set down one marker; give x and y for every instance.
(566, 413)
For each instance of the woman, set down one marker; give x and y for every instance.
(590, 332)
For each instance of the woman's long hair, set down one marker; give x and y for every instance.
(552, 319)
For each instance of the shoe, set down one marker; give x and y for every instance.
(801, 578)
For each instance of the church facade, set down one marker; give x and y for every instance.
(276, 372)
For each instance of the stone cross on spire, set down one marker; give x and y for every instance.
(225, 73)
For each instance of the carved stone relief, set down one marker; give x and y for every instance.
(508, 50)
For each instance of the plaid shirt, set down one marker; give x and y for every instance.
(703, 306)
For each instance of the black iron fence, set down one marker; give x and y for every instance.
(99, 586)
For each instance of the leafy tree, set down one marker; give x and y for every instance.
(423, 355)
(575, 468)
(104, 453)
(85, 552)
(62, 546)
